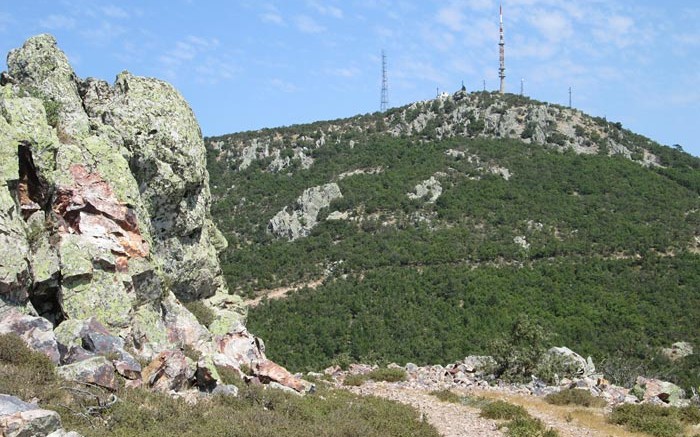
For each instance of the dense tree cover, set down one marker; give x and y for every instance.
(440, 314)
(611, 267)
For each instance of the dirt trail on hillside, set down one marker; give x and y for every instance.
(281, 292)
(457, 420)
(451, 420)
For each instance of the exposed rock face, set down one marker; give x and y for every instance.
(678, 350)
(430, 190)
(304, 217)
(105, 225)
(470, 115)
(581, 366)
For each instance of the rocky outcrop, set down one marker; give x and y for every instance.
(678, 350)
(299, 222)
(470, 115)
(22, 419)
(105, 226)
(429, 190)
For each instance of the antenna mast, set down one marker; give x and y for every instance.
(502, 52)
(385, 85)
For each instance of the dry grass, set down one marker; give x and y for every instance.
(594, 419)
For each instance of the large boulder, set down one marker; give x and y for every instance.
(37, 332)
(22, 419)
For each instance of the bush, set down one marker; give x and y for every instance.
(575, 396)
(447, 396)
(518, 355)
(655, 420)
(387, 374)
(501, 410)
(15, 352)
(354, 380)
(201, 312)
(529, 427)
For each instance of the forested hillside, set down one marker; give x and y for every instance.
(454, 216)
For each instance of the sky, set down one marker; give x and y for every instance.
(249, 64)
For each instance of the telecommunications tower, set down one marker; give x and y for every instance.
(502, 53)
(385, 85)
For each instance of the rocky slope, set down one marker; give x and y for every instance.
(105, 231)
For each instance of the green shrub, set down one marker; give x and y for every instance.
(387, 374)
(354, 380)
(656, 420)
(575, 396)
(529, 427)
(501, 410)
(519, 354)
(14, 351)
(201, 312)
(447, 396)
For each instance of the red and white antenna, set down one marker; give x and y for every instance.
(502, 52)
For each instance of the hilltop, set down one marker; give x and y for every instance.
(419, 234)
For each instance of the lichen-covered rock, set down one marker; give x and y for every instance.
(96, 370)
(169, 370)
(304, 217)
(22, 419)
(105, 227)
(40, 66)
(37, 332)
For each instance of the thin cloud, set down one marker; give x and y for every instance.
(114, 12)
(57, 22)
(307, 24)
(346, 72)
(272, 15)
(284, 86)
(328, 10)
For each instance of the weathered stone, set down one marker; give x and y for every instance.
(39, 64)
(678, 350)
(304, 217)
(241, 346)
(225, 390)
(169, 370)
(570, 362)
(37, 332)
(96, 370)
(22, 419)
(652, 389)
(429, 190)
(268, 371)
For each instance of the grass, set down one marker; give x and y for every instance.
(256, 411)
(656, 420)
(380, 374)
(575, 396)
(519, 422)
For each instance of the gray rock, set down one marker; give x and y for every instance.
(37, 332)
(569, 361)
(429, 189)
(22, 419)
(304, 217)
(678, 350)
(96, 370)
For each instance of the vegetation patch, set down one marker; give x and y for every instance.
(575, 396)
(656, 420)
(519, 422)
(256, 411)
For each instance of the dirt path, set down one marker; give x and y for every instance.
(451, 420)
(457, 420)
(281, 292)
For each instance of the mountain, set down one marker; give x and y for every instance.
(420, 234)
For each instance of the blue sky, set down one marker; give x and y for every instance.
(251, 64)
